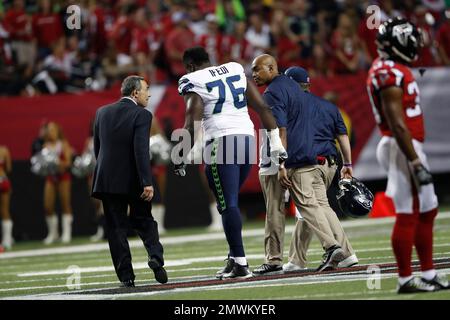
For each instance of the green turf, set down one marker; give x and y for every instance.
(372, 244)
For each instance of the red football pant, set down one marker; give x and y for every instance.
(413, 229)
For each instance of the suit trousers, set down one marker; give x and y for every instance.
(275, 218)
(315, 201)
(118, 224)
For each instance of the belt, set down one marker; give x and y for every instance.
(322, 160)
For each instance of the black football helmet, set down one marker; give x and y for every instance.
(399, 39)
(354, 198)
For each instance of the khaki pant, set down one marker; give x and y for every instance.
(275, 218)
(310, 196)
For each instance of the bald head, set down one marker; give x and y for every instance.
(264, 69)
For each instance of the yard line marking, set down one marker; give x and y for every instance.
(136, 266)
(189, 238)
(241, 285)
(178, 262)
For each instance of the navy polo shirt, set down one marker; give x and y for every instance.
(328, 126)
(295, 111)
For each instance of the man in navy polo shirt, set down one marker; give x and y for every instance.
(329, 128)
(296, 114)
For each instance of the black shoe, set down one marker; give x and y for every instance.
(127, 284)
(331, 258)
(266, 268)
(439, 281)
(416, 285)
(238, 272)
(227, 269)
(158, 270)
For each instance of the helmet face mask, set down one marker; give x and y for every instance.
(399, 40)
(354, 198)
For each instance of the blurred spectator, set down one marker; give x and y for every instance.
(424, 20)
(388, 11)
(47, 28)
(346, 46)
(258, 34)
(212, 40)
(303, 26)
(148, 37)
(112, 69)
(198, 23)
(19, 25)
(121, 33)
(144, 45)
(287, 46)
(237, 48)
(367, 36)
(320, 65)
(56, 71)
(229, 12)
(177, 41)
(97, 25)
(443, 39)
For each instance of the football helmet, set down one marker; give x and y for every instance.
(354, 198)
(399, 39)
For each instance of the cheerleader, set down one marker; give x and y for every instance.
(5, 196)
(58, 183)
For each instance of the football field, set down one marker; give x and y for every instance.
(83, 270)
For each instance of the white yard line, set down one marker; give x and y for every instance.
(190, 238)
(307, 280)
(186, 239)
(171, 263)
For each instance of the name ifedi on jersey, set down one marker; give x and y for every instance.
(219, 71)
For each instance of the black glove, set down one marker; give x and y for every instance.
(180, 169)
(423, 176)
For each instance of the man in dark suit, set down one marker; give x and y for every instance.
(122, 178)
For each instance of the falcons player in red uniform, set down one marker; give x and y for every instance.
(394, 96)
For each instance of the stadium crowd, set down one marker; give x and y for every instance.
(39, 54)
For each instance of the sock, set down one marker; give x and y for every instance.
(429, 274)
(52, 225)
(232, 225)
(403, 280)
(216, 219)
(402, 240)
(424, 239)
(7, 226)
(67, 226)
(241, 260)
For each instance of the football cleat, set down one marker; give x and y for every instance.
(268, 269)
(439, 281)
(227, 269)
(238, 272)
(331, 258)
(415, 285)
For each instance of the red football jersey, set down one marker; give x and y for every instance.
(386, 73)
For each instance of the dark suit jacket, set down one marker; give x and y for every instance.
(121, 144)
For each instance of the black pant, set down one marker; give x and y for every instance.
(117, 226)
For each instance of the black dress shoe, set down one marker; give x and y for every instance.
(158, 270)
(127, 284)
